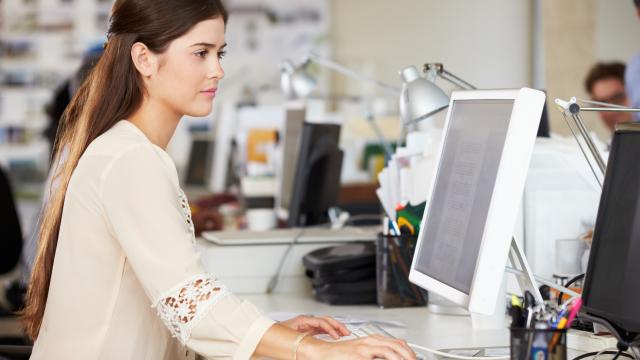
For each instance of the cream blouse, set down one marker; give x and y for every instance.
(127, 282)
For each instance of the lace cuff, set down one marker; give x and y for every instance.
(182, 307)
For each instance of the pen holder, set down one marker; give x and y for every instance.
(393, 261)
(544, 344)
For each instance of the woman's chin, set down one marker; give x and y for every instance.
(200, 111)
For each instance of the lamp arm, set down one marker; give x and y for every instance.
(353, 74)
(610, 109)
(572, 108)
(600, 103)
(439, 70)
(455, 80)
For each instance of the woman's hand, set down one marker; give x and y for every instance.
(317, 325)
(367, 348)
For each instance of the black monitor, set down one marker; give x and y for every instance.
(611, 293)
(198, 166)
(317, 177)
(543, 128)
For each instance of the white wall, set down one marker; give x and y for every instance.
(487, 43)
(617, 30)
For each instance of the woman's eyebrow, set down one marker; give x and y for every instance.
(208, 45)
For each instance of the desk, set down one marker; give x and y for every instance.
(422, 327)
(247, 269)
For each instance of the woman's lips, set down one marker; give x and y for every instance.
(209, 92)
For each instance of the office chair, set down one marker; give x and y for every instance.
(11, 243)
(15, 352)
(11, 348)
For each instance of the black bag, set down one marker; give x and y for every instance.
(344, 274)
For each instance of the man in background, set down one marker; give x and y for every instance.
(605, 83)
(632, 76)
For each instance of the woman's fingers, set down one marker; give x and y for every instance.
(318, 325)
(337, 325)
(398, 346)
(382, 352)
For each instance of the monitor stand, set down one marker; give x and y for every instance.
(441, 306)
(497, 321)
(525, 278)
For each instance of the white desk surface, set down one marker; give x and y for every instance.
(422, 327)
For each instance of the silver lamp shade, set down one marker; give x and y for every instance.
(419, 97)
(295, 81)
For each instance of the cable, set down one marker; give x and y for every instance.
(596, 355)
(273, 282)
(461, 357)
(605, 352)
(569, 283)
(453, 356)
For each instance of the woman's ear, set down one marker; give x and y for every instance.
(145, 61)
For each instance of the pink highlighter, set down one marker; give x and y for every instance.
(577, 304)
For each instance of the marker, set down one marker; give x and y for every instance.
(577, 304)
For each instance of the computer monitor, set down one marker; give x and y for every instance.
(466, 231)
(286, 172)
(544, 129)
(198, 166)
(317, 178)
(611, 292)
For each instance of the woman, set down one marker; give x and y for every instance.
(126, 276)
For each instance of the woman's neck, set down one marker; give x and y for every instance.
(156, 121)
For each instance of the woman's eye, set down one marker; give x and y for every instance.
(202, 53)
(221, 54)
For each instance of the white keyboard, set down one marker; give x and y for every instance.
(364, 330)
(358, 331)
(286, 236)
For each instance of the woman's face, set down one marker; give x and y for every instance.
(189, 70)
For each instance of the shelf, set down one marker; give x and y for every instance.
(31, 89)
(37, 150)
(54, 36)
(35, 65)
(34, 123)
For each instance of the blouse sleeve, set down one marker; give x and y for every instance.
(143, 204)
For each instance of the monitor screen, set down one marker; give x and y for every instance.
(462, 191)
(317, 178)
(611, 286)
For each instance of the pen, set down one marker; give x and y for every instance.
(515, 301)
(554, 341)
(577, 304)
(396, 229)
(562, 314)
(565, 322)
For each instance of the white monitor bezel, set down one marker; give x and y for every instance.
(501, 217)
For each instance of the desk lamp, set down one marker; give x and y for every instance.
(580, 132)
(297, 83)
(421, 97)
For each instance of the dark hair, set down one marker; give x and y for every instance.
(113, 91)
(601, 71)
(637, 2)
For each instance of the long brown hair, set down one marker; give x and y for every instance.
(113, 91)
